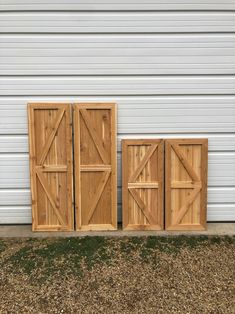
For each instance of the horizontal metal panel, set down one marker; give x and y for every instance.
(217, 142)
(13, 143)
(15, 215)
(117, 85)
(221, 195)
(98, 5)
(221, 169)
(14, 170)
(17, 197)
(129, 41)
(140, 114)
(117, 55)
(117, 22)
(221, 212)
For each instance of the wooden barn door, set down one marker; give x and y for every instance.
(50, 141)
(186, 184)
(95, 166)
(142, 184)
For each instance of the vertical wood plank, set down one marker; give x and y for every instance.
(125, 200)
(204, 176)
(32, 163)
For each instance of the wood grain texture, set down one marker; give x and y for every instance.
(142, 184)
(186, 184)
(50, 150)
(95, 166)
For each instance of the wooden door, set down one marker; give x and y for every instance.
(95, 166)
(50, 147)
(142, 184)
(186, 184)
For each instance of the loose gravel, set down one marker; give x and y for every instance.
(118, 275)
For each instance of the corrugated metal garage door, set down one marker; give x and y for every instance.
(170, 66)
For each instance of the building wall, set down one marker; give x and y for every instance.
(169, 65)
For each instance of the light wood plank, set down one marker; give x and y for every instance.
(132, 227)
(143, 185)
(32, 158)
(143, 207)
(52, 228)
(94, 136)
(98, 227)
(185, 185)
(51, 136)
(97, 196)
(185, 207)
(93, 168)
(204, 178)
(143, 162)
(185, 163)
(51, 198)
(53, 168)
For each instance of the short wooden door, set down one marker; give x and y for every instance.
(186, 184)
(95, 166)
(50, 142)
(142, 184)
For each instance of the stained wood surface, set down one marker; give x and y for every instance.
(95, 166)
(186, 184)
(142, 184)
(50, 150)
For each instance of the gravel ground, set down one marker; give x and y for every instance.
(121, 275)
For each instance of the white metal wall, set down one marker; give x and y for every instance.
(170, 66)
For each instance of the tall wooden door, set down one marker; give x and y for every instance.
(186, 184)
(50, 147)
(95, 166)
(142, 184)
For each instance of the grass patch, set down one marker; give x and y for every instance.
(173, 245)
(62, 256)
(45, 257)
(128, 245)
(178, 242)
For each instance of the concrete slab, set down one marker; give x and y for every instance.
(24, 231)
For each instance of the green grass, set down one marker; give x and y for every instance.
(61, 255)
(44, 257)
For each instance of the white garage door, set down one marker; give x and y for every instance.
(170, 66)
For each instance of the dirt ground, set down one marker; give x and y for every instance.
(118, 275)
